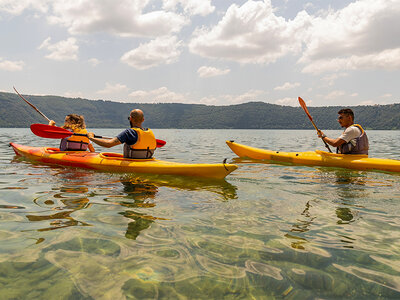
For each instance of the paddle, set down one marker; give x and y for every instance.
(303, 105)
(54, 132)
(33, 106)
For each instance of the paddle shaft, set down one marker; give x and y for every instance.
(33, 106)
(96, 136)
(160, 143)
(303, 105)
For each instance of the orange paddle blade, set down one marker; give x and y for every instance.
(51, 132)
(303, 105)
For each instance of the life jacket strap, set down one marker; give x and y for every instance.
(138, 153)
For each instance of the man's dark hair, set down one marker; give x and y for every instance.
(346, 111)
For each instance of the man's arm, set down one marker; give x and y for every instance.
(333, 142)
(108, 143)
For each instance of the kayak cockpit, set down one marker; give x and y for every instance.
(119, 156)
(103, 155)
(347, 156)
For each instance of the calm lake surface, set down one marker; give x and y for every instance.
(267, 231)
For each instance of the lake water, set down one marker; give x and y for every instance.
(267, 231)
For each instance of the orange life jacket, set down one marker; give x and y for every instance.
(75, 142)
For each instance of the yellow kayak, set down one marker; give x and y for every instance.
(114, 162)
(317, 158)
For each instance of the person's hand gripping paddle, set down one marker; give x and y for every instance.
(303, 105)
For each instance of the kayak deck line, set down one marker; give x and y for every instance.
(115, 162)
(317, 158)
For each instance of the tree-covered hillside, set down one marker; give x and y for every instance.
(253, 115)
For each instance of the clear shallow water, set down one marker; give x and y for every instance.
(267, 231)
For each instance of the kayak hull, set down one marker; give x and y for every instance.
(317, 158)
(114, 162)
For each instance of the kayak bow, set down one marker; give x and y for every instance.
(114, 162)
(317, 158)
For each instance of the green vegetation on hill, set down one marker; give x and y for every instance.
(253, 115)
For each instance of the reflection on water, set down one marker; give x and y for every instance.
(299, 227)
(141, 193)
(58, 207)
(268, 231)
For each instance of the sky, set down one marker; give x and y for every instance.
(213, 52)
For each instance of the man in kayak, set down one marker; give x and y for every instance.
(138, 142)
(353, 140)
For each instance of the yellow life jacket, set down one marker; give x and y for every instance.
(75, 142)
(145, 145)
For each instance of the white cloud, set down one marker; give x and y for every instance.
(251, 95)
(160, 95)
(17, 7)
(335, 95)
(331, 78)
(388, 95)
(111, 89)
(387, 59)
(288, 101)
(9, 65)
(73, 95)
(191, 7)
(228, 99)
(120, 17)
(367, 102)
(163, 50)
(164, 95)
(205, 72)
(359, 36)
(309, 5)
(94, 61)
(61, 51)
(287, 86)
(251, 33)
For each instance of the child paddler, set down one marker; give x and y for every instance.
(76, 124)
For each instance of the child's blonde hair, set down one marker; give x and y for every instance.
(74, 121)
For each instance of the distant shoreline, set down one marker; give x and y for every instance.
(251, 115)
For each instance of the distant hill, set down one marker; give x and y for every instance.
(253, 115)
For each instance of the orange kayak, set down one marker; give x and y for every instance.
(114, 162)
